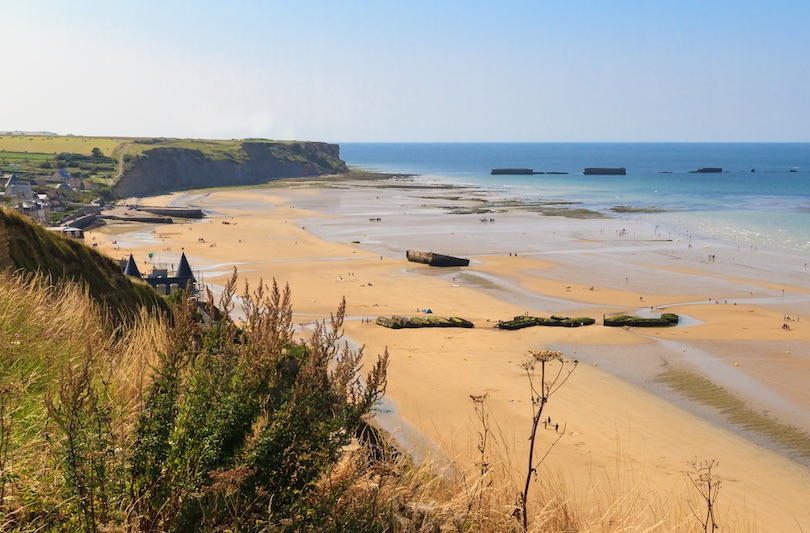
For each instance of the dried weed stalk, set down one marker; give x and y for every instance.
(708, 486)
(559, 369)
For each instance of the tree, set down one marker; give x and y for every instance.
(97, 153)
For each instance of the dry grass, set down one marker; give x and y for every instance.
(613, 499)
(432, 497)
(137, 356)
(38, 326)
(44, 329)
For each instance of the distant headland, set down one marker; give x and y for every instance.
(55, 178)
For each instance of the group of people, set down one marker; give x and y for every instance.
(547, 424)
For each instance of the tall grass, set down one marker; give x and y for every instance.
(166, 424)
(163, 423)
(44, 330)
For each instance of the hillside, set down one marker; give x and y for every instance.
(176, 167)
(31, 248)
(129, 166)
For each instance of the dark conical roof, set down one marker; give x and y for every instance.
(131, 269)
(184, 270)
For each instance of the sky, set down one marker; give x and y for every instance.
(410, 71)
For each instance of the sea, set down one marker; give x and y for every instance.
(760, 199)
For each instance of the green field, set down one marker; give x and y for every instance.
(39, 156)
(54, 144)
(23, 156)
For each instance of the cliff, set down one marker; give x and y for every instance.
(165, 169)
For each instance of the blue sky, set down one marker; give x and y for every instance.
(387, 71)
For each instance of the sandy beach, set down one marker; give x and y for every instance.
(638, 407)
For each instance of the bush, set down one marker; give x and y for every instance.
(283, 413)
(170, 425)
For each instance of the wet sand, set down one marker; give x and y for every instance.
(618, 412)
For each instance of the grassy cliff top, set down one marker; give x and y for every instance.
(27, 247)
(110, 146)
(105, 159)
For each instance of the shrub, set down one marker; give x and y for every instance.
(112, 426)
(284, 411)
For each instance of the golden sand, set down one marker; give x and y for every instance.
(610, 423)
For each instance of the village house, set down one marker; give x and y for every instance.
(68, 231)
(53, 199)
(61, 175)
(75, 183)
(16, 188)
(89, 185)
(39, 212)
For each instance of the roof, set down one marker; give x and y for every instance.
(131, 269)
(61, 174)
(183, 269)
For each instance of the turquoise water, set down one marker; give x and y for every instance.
(767, 207)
